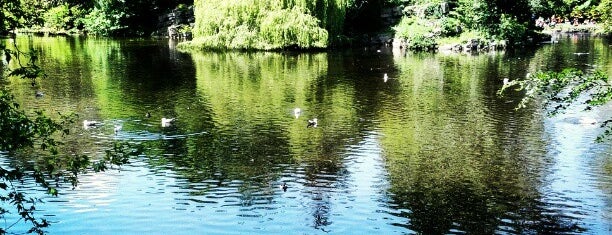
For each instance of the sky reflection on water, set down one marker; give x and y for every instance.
(433, 149)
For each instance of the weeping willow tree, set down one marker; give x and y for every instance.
(267, 24)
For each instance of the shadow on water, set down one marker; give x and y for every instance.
(429, 148)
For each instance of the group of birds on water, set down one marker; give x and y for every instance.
(311, 122)
(167, 122)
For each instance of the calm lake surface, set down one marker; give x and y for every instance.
(431, 150)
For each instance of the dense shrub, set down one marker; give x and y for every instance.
(433, 10)
(450, 27)
(508, 20)
(57, 17)
(512, 30)
(409, 26)
(99, 22)
(286, 28)
(418, 33)
(420, 42)
(267, 24)
(605, 11)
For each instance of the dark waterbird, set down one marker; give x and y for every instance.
(284, 187)
(312, 123)
(91, 124)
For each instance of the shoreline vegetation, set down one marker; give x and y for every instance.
(303, 25)
(461, 26)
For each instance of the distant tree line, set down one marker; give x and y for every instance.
(278, 24)
(273, 24)
(100, 17)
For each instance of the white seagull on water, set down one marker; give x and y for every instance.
(166, 122)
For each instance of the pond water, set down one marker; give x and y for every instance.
(432, 149)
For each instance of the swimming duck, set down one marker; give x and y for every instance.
(148, 115)
(90, 124)
(312, 123)
(39, 94)
(284, 187)
(166, 122)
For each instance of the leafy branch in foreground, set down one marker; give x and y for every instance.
(26, 70)
(36, 138)
(561, 90)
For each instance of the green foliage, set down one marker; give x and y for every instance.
(409, 26)
(471, 13)
(418, 33)
(421, 42)
(286, 28)
(586, 9)
(499, 19)
(57, 17)
(511, 29)
(493, 19)
(21, 131)
(549, 7)
(37, 138)
(267, 24)
(582, 9)
(561, 90)
(433, 10)
(450, 27)
(605, 11)
(101, 17)
(28, 70)
(105, 18)
(78, 16)
(22, 134)
(462, 38)
(33, 12)
(10, 15)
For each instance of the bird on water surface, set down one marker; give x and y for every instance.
(284, 187)
(312, 123)
(166, 122)
(89, 124)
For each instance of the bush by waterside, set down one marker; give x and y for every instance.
(266, 24)
(417, 33)
(284, 28)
